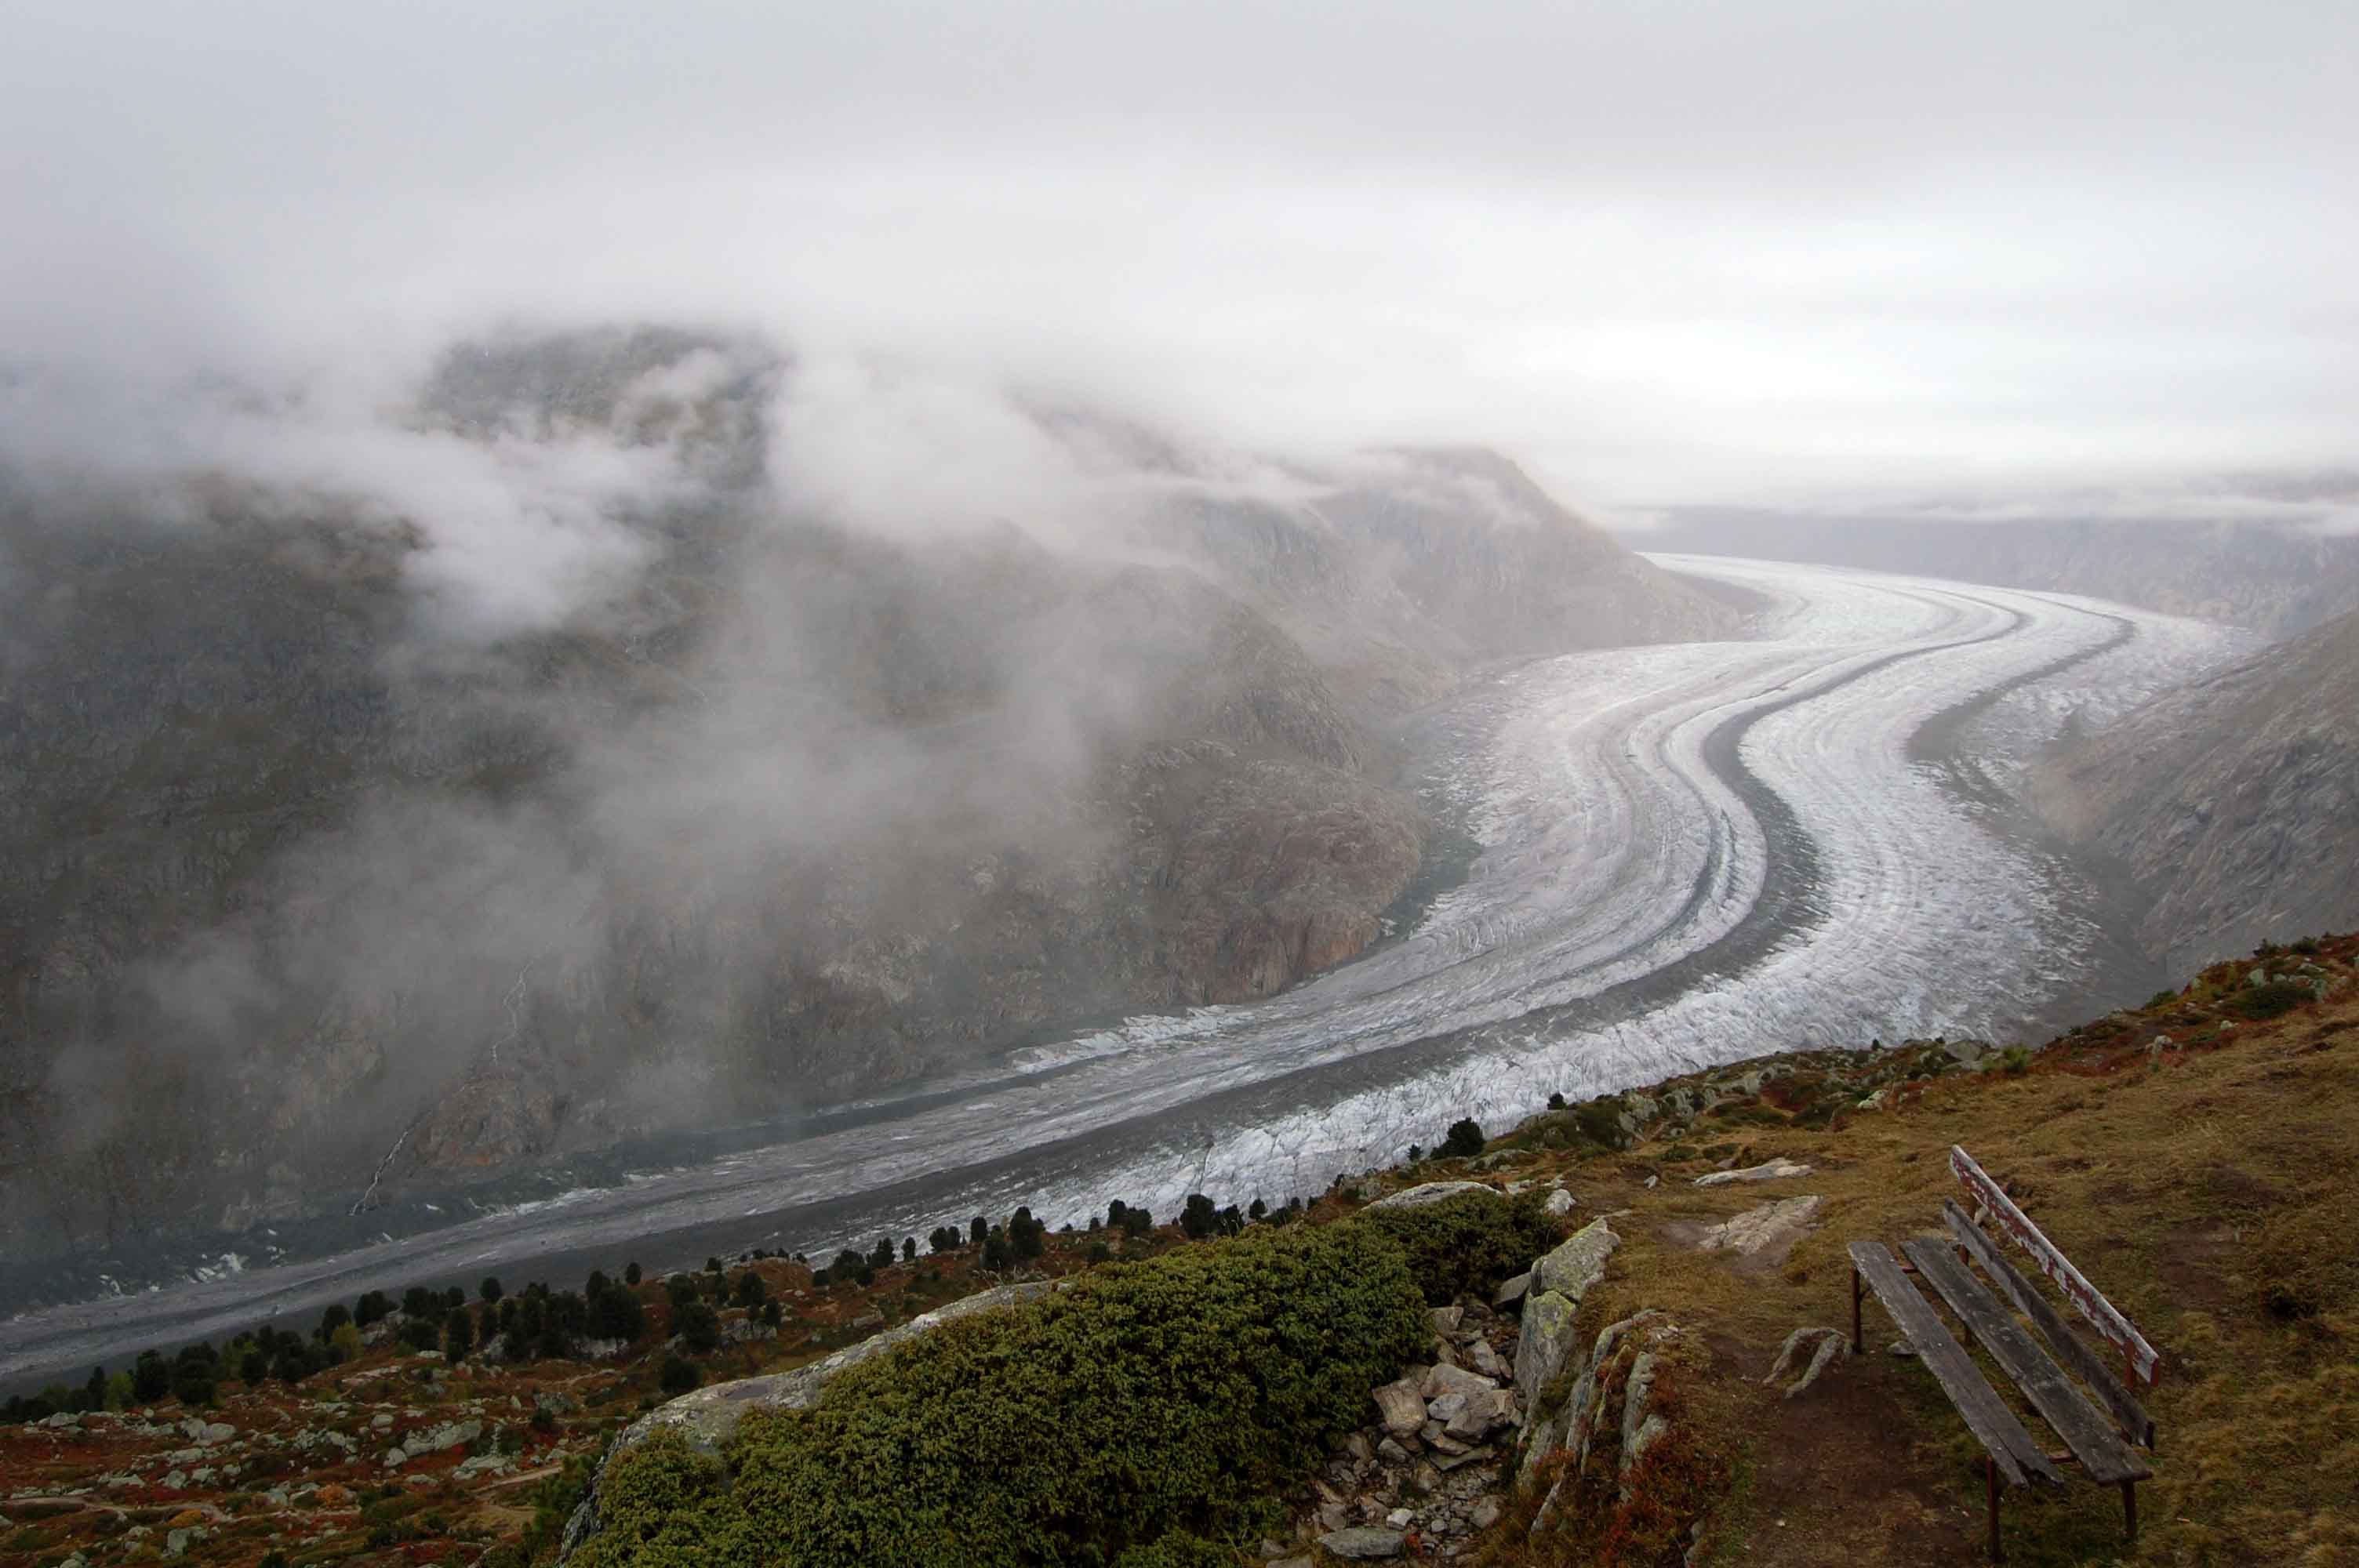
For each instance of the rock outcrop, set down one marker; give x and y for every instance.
(1763, 1235)
(1551, 1308)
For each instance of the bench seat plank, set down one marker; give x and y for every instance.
(2067, 1346)
(2103, 1457)
(2011, 1447)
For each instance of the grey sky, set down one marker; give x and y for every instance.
(1666, 252)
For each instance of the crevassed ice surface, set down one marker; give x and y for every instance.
(1691, 855)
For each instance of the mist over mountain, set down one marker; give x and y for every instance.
(637, 727)
(2277, 555)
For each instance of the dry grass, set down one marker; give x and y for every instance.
(2212, 1193)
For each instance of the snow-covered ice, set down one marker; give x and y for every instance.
(1691, 854)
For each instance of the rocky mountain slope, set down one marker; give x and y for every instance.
(545, 761)
(2234, 803)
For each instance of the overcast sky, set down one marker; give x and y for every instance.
(1665, 253)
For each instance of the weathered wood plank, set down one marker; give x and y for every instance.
(2093, 1368)
(1986, 1416)
(2103, 1457)
(2145, 1361)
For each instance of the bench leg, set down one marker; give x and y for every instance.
(2129, 1510)
(1990, 1480)
(1854, 1311)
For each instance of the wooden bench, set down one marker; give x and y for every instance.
(2100, 1447)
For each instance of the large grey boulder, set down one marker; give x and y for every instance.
(1577, 1263)
(1365, 1542)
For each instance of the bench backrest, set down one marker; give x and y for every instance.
(2144, 1362)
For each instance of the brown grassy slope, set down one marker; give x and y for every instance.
(2208, 1190)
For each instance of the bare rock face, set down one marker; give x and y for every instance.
(486, 1121)
(2234, 803)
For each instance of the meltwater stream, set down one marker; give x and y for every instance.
(1691, 854)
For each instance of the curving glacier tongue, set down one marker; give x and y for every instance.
(1691, 854)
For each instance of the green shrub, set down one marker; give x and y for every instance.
(1600, 1124)
(1464, 1141)
(2163, 997)
(698, 1328)
(1468, 1242)
(1178, 1551)
(679, 1375)
(2269, 1000)
(1147, 1401)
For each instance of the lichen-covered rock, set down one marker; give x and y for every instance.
(1578, 1263)
(1545, 1346)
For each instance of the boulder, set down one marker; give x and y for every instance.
(1512, 1291)
(1765, 1234)
(1365, 1543)
(1445, 1380)
(1775, 1169)
(1578, 1263)
(1401, 1407)
(1479, 1415)
(1432, 1192)
(1560, 1203)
